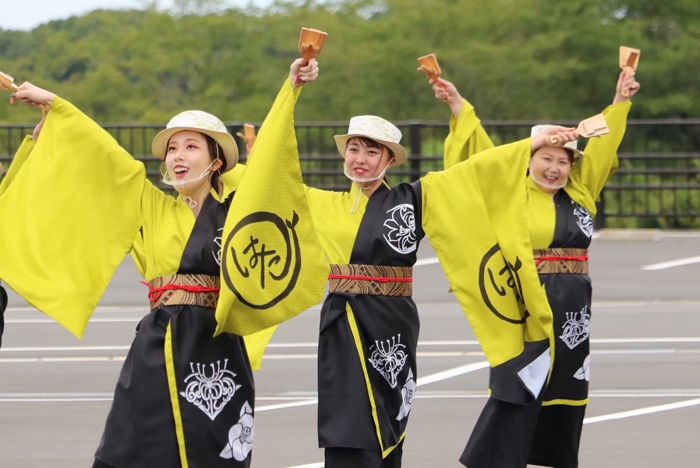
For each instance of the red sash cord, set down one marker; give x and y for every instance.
(155, 293)
(371, 278)
(556, 258)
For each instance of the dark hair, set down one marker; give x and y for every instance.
(216, 151)
(368, 142)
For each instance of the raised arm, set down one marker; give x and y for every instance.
(70, 214)
(467, 137)
(590, 174)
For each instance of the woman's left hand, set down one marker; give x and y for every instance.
(300, 72)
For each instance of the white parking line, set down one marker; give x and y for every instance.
(312, 356)
(642, 411)
(671, 264)
(592, 420)
(306, 400)
(310, 344)
(426, 261)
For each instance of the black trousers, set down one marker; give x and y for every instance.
(342, 457)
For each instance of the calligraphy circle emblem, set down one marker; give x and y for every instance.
(500, 287)
(261, 259)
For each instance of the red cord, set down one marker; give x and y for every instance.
(372, 278)
(155, 293)
(555, 258)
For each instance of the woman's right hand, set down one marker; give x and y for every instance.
(562, 136)
(30, 94)
(447, 92)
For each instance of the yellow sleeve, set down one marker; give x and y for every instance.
(271, 208)
(466, 137)
(475, 216)
(69, 217)
(17, 162)
(232, 179)
(590, 174)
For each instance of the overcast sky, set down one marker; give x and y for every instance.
(27, 14)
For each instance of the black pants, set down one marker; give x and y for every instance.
(342, 457)
(99, 464)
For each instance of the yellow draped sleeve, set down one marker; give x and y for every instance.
(232, 179)
(475, 217)
(466, 137)
(270, 216)
(69, 217)
(17, 162)
(590, 174)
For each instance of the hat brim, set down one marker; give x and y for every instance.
(225, 140)
(400, 156)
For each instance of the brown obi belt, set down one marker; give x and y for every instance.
(371, 279)
(197, 290)
(571, 261)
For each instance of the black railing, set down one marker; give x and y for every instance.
(657, 184)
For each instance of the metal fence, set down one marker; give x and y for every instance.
(657, 184)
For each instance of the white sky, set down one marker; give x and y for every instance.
(27, 14)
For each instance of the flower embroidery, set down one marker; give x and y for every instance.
(402, 229)
(577, 328)
(388, 359)
(584, 219)
(584, 372)
(217, 254)
(240, 436)
(407, 393)
(210, 393)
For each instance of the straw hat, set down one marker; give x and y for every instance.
(201, 122)
(377, 129)
(570, 145)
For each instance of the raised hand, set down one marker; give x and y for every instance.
(554, 136)
(32, 95)
(447, 92)
(301, 72)
(627, 81)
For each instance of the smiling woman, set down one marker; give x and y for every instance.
(184, 396)
(563, 185)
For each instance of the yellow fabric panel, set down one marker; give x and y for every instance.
(69, 217)
(18, 161)
(174, 396)
(466, 138)
(273, 266)
(232, 179)
(335, 225)
(255, 345)
(589, 175)
(489, 194)
(541, 216)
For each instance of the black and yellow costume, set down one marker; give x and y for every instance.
(547, 432)
(368, 336)
(79, 204)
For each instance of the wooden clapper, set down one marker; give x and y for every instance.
(248, 134)
(429, 66)
(629, 59)
(595, 126)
